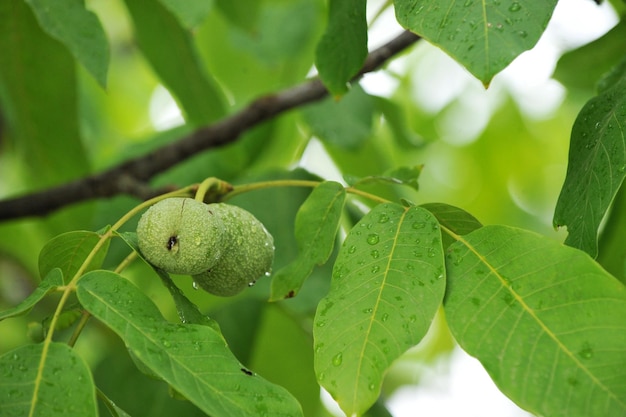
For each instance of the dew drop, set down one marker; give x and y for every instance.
(368, 310)
(373, 239)
(586, 352)
(352, 249)
(515, 7)
(166, 343)
(419, 225)
(375, 254)
(251, 283)
(371, 387)
(383, 218)
(522, 34)
(384, 317)
(375, 269)
(338, 359)
(468, 3)
(268, 273)
(321, 376)
(195, 285)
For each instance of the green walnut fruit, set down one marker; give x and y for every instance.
(247, 254)
(181, 236)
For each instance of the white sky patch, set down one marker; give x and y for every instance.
(164, 111)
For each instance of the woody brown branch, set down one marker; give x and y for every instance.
(131, 177)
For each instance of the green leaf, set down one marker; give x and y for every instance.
(190, 13)
(544, 319)
(46, 380)
(111, 407)
(187, 311)
(193, 359)
(483, 36)
(79, 30)
(343, 48)
(243, 13)
(317, 223)
(50, 283)
(387, 285)
(583, 67)
(38, 98)
(398, 123)
(399, 176)
(173, 56)
(452, 220)
(612, 241)
(69, 250)
(345, 123)
(596, 167)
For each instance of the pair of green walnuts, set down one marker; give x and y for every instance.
(223, 247)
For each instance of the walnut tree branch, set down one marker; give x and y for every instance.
(131, 177)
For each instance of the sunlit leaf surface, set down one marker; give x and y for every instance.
(388, 281)
(483, 35)
(546, 321)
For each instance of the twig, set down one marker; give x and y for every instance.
(131, 177)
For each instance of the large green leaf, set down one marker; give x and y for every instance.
(173, 56)
(546, 321)
(596, 166)
(69, 250)
(343, 48)
(51, 281)
(484, 36)
(79, 30)
(386, 287)
(38, 98)
(46, 380)
(316, 228)
(583, 67)
(345, 123)
(193, 359)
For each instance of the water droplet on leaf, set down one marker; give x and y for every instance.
(515, 7)
(373, 239)
(338, 359)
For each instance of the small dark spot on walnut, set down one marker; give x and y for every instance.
(171, 242)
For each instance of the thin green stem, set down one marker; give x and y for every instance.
(212, 186)
(367, 195)
(79, 328)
